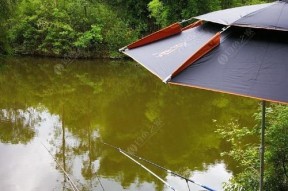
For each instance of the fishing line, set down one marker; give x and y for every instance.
(188, 185)
(66, 174)
(162, 168)
(100, 182)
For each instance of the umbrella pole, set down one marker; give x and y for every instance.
(262, 147)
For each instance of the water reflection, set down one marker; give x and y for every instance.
(71, 108)
(17, 126)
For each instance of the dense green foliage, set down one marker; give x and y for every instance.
(247, 153)
(77, 28)
(6, 7)
(91, 28)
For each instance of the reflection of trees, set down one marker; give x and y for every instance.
(193, 150)
(96, 100)
(17, 117)
(61, 153)
(17, 126)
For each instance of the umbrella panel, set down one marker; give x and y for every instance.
(248, 62)
(164, 57)
(273, 17)
(229, 16)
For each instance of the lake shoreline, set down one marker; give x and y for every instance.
(123, 57)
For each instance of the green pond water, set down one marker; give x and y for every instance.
(70, 106)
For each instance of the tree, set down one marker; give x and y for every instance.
(65, 27)
(5, 13)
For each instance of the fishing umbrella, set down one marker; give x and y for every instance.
(240, 51)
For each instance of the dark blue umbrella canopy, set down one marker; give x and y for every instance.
(249, 58)
(229, 16)
(266, 16)
(252, 63)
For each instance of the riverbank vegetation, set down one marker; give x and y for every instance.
(90, 28)
(246, 153)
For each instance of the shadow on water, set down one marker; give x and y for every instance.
(71, 106)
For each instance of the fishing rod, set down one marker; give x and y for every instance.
(147, 169)
(162, 168)
(144, 167)
(66, 174)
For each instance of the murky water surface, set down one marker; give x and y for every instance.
(55, 114)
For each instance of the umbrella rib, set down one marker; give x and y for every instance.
(280, 15)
